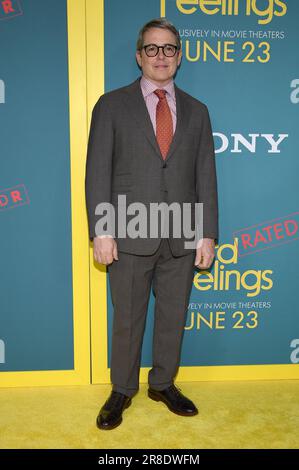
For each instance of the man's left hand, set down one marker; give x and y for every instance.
(205, 253)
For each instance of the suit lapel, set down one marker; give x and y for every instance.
(137, 106)
(136, 103)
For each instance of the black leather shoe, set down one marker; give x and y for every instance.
(110, 415)
(174, 400)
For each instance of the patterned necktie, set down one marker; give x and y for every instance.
(164, 125)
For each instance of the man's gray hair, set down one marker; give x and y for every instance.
(161, 23)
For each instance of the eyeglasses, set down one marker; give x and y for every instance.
(151, 50)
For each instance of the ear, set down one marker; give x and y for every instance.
(179, 56)
(138, 58)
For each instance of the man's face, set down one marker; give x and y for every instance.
(159, 69)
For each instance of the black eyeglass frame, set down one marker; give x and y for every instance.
(160, 47)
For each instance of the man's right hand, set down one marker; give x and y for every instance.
(105, 250)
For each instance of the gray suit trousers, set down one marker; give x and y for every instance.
(131, 279)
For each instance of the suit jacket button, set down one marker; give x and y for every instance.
(164, 165)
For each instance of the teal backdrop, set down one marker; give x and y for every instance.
(252, 95)
(241, 59)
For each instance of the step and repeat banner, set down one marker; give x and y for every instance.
(241, 59)
(36, 306)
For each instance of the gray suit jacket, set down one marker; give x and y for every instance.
(123, 158)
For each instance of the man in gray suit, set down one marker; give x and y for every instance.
(152, 143)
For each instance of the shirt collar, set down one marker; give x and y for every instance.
(149, 87)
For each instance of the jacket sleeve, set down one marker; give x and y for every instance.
(99, 162)
(206, 181)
